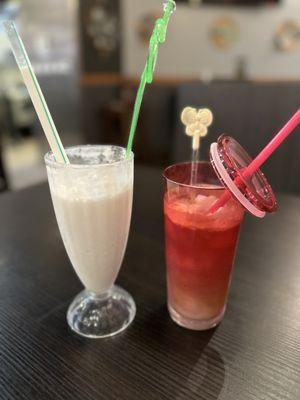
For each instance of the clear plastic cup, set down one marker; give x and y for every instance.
(200, 246)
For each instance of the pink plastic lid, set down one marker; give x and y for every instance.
(230, 161)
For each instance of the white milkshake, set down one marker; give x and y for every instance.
(93, 205)
(95, 231)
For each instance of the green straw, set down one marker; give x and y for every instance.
(35, 92)
(158, 36)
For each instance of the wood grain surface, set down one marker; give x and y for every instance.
(253, 355)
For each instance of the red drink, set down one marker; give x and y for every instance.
(200, 246)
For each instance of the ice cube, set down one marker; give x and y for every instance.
(204, 203)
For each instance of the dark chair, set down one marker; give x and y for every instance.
(114, 113)
(155, 128)
(93, 101)
(251, 113)
(3, 180)
(5, 125)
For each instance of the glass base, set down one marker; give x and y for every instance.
(99, 316)
(195, 324)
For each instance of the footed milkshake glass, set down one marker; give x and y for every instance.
(92, 199)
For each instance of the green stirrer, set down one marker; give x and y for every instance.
(158, 36)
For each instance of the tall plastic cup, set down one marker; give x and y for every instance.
(200, 246)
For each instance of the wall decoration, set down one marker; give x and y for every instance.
(224, 33)
(145, 27)
(100, 35)
(287, 36)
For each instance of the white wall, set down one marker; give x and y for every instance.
(188, 51)
(49, 32)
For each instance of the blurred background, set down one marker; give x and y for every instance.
(240, 58)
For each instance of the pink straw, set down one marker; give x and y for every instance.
(290, 126)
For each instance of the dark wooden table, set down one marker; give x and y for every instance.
(254, 354)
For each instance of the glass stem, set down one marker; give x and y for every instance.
(100, 296)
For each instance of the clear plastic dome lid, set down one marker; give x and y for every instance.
(230, 162)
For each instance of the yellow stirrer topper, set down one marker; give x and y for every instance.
(196, 123)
